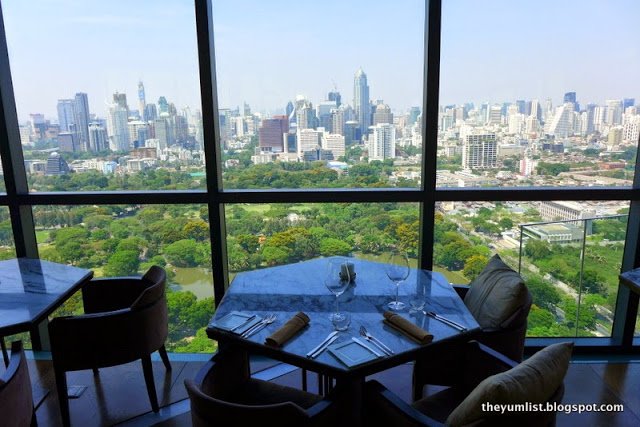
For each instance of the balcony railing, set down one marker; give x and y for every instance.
(571, 267)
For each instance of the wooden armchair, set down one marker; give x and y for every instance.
(486, 377)
(224, 390)
(16, 401)
(125, 320)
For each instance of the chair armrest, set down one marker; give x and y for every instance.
(461, 290)
(383, 407)
(102, 295)
(482, 362)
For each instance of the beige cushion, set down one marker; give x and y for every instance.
(535, 380)
(495, 294)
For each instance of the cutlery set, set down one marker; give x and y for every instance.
(380, 350)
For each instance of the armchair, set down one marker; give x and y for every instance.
(125, 320)
(500, 303)
(16, 401)
(487, 377)
(224, 390)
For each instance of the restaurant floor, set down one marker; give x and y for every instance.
(118, 395)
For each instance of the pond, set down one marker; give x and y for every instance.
(195, 279)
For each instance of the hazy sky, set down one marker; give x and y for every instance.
(270, 51)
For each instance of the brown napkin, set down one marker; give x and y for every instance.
(288, 330)
(408, 328)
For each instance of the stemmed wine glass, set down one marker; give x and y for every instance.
(337, 283)
(397, 269)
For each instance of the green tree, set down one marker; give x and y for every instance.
(183, 253)
(474, 266)
(122, 263)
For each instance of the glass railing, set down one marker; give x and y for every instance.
(571, 267)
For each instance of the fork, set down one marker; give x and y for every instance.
(374, 340)
(258, 326)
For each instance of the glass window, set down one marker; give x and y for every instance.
(127, 240)
(555, 246)
(320, 97)
(107, 94)
(522, 103)
(7, 248)
(265, 235)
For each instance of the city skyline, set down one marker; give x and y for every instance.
(493, 52)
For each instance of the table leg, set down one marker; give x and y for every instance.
(350, 403)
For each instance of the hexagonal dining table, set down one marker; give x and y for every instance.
(288, 289)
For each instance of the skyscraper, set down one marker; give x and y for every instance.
(98, 140)
(121, 100)
(335, 96)
(66, 116)
(81, 110)
(382, 142)
(142, 102)
(382, 114)
(118, 128)
(361, 101)
(480, 151)
(270, 134)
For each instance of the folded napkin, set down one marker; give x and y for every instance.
(288, 330)
(408, 328)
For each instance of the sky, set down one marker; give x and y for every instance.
(267, 52)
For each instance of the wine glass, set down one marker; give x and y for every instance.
(397, 269)
(337, 281)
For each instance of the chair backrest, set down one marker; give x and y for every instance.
(16, 401)
(156, 278)
(207, 411)
(496, 294)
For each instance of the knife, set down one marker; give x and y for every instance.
(244, 323)
(367, 347)
(323, 344)
(445, 320)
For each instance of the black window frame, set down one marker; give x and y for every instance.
(20, 201)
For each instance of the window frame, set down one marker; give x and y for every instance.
(20, 201)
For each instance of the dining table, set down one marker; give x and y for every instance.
(286, 290)
(32, 289)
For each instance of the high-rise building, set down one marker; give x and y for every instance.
(309, 141)
(81, 110)
(414, 112)
(361, 101)
(289, 111)
(163, 106)
(138, 132)
(382, 142)
(98, 139)
(305, 115)
(336, 97)
(614, 112)
(271, 134)
(118, 124)
(150, 112)
(121, 100)
(333, 143)
(628, 102)
(562, 123)
(480, 151)
(67, 142)
(323, 111)
(66, 114)
(337, 121)
(142, 102)
(56, 165)
(571, 97)
(382, 114)
(162, 132)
